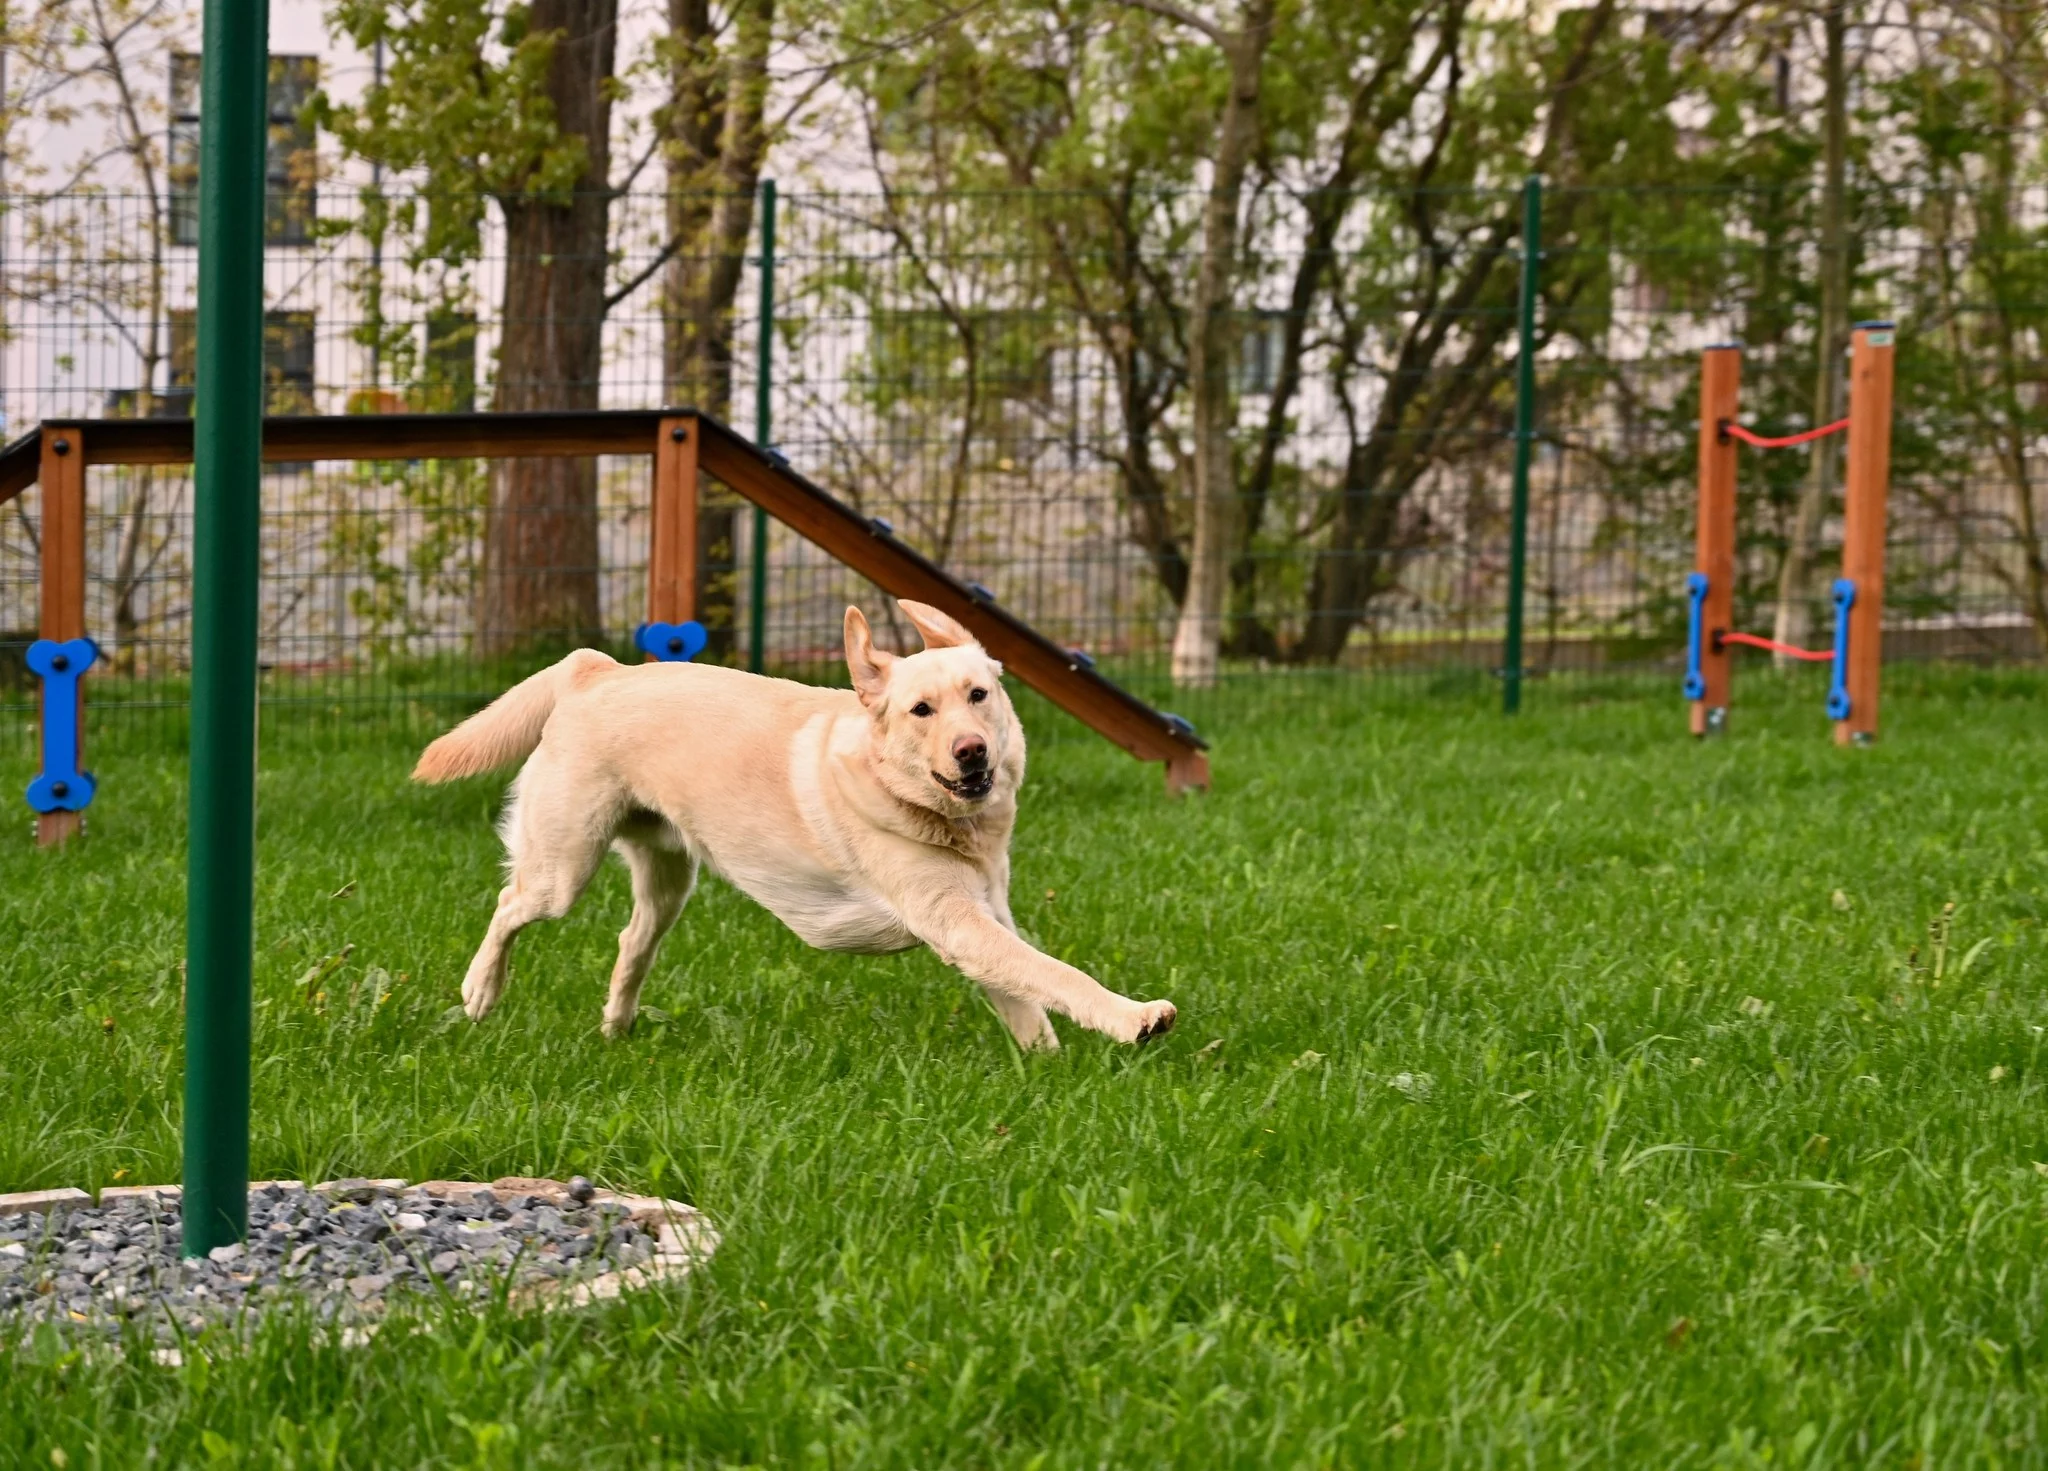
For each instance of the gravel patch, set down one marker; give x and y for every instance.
(346, 1248)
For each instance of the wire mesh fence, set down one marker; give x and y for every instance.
(1007, 379)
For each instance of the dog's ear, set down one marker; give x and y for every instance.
(868, 665)
(939, 630)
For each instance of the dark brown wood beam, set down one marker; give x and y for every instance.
(903, 572)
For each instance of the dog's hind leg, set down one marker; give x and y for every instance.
(663, 878)
(555, 846)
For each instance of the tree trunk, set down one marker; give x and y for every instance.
(1424, 397)
(540, 574)
(1249, 634)
(1145, 490)
(1794, 621)
(1121, 331)
(1211, 358)
(1421, 398)
(1372, 109)
(717, 141)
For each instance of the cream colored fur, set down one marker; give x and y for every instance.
(836, 810)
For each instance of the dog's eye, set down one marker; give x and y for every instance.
(977, 695)
(920, 709)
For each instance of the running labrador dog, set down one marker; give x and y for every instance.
(870, 819)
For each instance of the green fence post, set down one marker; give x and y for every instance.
(1525, 438)
(227, 473)
(764, 382)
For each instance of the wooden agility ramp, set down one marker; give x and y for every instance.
(681, 443)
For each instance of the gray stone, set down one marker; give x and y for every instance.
(365, 1287)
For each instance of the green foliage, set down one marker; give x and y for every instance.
(1682, 207)
(463, 103)
(1399, 132)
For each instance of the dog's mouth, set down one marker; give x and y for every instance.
(970, 786)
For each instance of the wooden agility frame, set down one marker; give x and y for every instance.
(1858, 653)
(682, 445)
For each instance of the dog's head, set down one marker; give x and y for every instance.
(944, 737)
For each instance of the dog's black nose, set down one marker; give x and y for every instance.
(971, 752)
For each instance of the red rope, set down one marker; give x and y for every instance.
(1757, 641)
(1730, 427)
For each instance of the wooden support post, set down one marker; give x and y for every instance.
(1865, 486)
(62, 478)
(1190, 771)
(672, 554)
(1720, 396)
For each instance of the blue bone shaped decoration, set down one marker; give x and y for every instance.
(1695, 635)
(1844, 593)
(62, 787)
(671, 643)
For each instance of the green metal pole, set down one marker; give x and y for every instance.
(1525, 439)
(227, 465)
(764, 424)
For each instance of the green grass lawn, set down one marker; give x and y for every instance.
(1546, 1092)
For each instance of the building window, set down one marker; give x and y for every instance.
(1261, 351)
(184, 166)
(289, 157)
(287, 362)
(448, 369)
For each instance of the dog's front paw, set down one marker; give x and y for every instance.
(1149, 1019)
(480, 991)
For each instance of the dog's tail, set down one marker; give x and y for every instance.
(508, 729)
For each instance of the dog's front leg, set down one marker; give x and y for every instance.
(967, 935)
(1025, 1018)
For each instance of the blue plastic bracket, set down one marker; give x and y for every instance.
(1838, 674)
(61, 787)
(1695, 635)
(671, 643)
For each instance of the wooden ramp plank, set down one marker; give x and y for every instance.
(820, 517)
